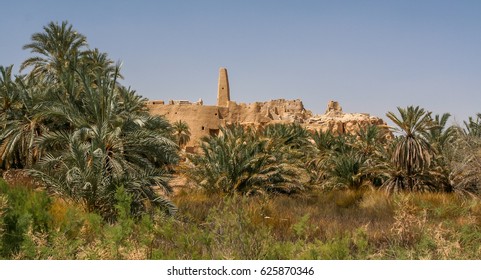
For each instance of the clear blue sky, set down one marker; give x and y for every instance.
(371, 56)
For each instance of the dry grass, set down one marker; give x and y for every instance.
(348, 224)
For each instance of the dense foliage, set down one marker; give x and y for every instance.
(423, 154)
(77, 129)
(243, 160)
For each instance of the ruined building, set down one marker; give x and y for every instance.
(206, 120)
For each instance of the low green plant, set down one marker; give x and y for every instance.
(27, 210)
(119, 232)
(302, 226)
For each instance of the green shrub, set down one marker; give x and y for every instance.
(118, 233)
(302, 226)
(336, 249)
(27, 210)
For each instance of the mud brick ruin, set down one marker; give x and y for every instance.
(204, 120)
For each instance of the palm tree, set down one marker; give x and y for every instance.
(9, 94)
(465, 165)
(438, 134)
(81, 132)
(347, 161)
(57, 48)
(327, 148)
(96, 61)
(441, 139)
(21, 124)
(181, 133)
(324, 140)
(90, 173)
(344, 170)
(473, 126)
(412, 153)
(463, 157)
(105, 145)
(287, 142)
(368, 140)
(239, 161)
(291, 136)
(370, 147)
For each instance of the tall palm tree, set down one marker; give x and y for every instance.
(95, 61)
(57, 48)
(439, 134)
(181, 133)
(81, 132)
(442, 140)
(106, 145)
(9, 94)
(412, 153)
(21, 125)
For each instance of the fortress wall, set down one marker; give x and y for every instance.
(207, 120)
(279, 110)
(202, 120)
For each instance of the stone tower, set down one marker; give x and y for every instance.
(223, 93)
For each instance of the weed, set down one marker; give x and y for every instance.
(321, 225)
(301, 227)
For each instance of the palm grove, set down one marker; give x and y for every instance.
(70, 122)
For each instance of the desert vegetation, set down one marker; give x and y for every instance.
(96, 168)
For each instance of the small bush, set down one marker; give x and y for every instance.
(377, 205)
(27, 211)
(408, 225)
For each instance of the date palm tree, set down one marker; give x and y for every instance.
(288, 142)
(21, 124)
(56, 49)
(323, 157)
(105, 145)
(412, 153)
(181, 133)
(465, 165)
(472, 127)
(439, 135)
(291, 136)
(344, 170)
(77, 129)
(95, 61)
(9, 94)
(442, 140)
(239, 161)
